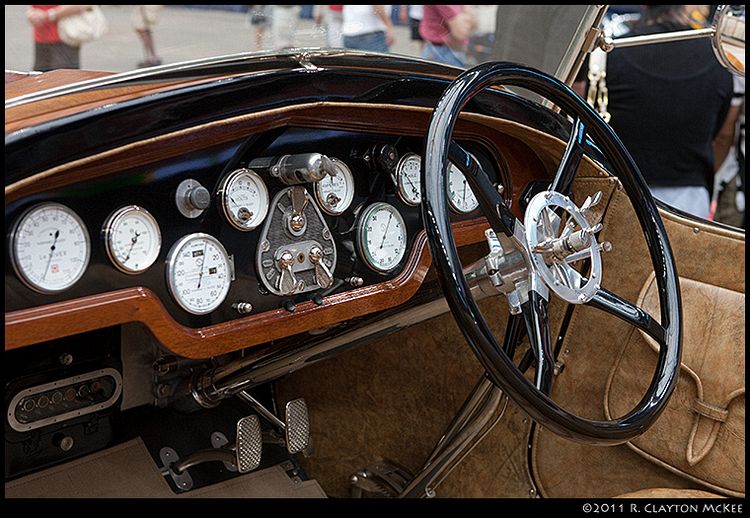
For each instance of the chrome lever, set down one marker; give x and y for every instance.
(287, 282)
(323, 275)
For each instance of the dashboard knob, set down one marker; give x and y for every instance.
(199, 198)
(323, 275)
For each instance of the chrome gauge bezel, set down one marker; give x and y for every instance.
(108, 233)
(20, 273)
(398, 179)
(455, 208)
(171, 264)
(361, 236)
(223, 195)
(346, 202)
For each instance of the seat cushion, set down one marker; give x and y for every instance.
(668, 492)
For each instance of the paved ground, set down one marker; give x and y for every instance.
(181, 34)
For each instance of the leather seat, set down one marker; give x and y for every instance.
(668, 492)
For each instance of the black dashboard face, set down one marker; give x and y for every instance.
(370, 157)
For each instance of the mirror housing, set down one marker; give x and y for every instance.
(729, 37)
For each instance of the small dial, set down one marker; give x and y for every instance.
(335, 193)
(50, 248)
(244, 199)
(460, 195)
(408, 181)
(382, 237)
(199, 273)
(132, 239)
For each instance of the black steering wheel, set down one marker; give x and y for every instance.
(541, 252)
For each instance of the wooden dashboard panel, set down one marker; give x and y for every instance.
(520, 164)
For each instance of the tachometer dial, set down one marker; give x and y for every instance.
(382, 237)
(132, 239)
(460, 195)
(199, 273)
(244, 199)
(49, 247)
(335, 193)
(408, 182)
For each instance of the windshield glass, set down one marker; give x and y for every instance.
(139, 36)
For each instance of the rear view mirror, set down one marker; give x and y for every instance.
(729, 37)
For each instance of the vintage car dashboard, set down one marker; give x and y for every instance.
(285, 217)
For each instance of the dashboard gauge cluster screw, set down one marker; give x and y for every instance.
(66, 359)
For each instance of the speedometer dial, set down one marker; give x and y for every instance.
(199, 273)
(49, 248)
(382, 237)
(408, 182)
(460, 195)
(132, 239)
(244, 199)
(335, 193)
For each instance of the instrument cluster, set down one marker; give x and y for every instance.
(268, 223)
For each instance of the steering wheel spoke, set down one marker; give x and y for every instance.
(613, 304)
(574, 151)
(536, 316)
(493, 205)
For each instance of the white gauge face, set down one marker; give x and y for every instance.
(199, 273)
(244, 199)
(335, 193)
(408, 179)
(382, 237)
(50, 248)
(460, 195)
(132, 238)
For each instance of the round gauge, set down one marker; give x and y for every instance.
(382, 237)
(198, 273)
(335, 193)
(408, 181)
(49, 247)
(460, 195)
(132, 239)
(244, 199)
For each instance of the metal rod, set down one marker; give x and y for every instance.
(608, 44)
(262, 410)
(481, 411)
(199, 457)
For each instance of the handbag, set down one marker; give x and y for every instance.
(85, 26)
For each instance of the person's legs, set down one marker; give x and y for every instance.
(443, 54)
(691, 199)
(51, 56)
(144, 19)
(372, 41)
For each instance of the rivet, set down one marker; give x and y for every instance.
(696, 230)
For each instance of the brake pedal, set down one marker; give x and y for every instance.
(297, 421)
(249, 443)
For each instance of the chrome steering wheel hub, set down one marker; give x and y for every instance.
(553, 251)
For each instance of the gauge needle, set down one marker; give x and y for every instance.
(232, 200)
(51, 252)
(413, 187)
(385, 234)
(464, 193)
(203, 263)
(133, 240)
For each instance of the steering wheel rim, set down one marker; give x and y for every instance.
(499, 367)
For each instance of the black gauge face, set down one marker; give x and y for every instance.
(382, 237)
(50, 248)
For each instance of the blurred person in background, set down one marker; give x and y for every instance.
(368, 27)
(145, 18)
(668, 102)
(331, 18)
(283, 25)
(445, 30)
(50, 52)
(258, 21)
(412, 14)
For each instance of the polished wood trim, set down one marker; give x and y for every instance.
(40, 324)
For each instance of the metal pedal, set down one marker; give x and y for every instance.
(297, 426)
(249, 443)
(384, 479)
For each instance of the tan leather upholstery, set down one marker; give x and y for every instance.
(701, 435)
(668, 492)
